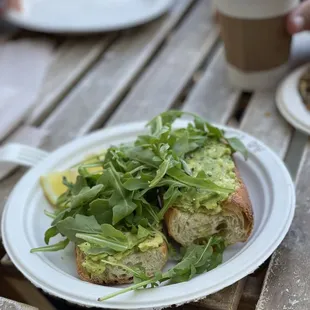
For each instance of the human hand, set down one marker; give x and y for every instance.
(11, 4)
(299, 19)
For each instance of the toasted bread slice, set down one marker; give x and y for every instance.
(234, 222)
(152, 261)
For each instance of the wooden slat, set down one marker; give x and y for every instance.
(166, 78)
(263, 121)
(29, 293)
(251, 292)
(229, 297)
(13, 305)
(113, 74)
(72, 59)
(213, 97)
(287, 281)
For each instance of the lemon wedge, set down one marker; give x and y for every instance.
(52, 184)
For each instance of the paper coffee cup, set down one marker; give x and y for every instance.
(257, 44)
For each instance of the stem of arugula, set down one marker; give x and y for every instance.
(125, 290)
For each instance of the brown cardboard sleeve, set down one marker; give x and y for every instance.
(254, 45)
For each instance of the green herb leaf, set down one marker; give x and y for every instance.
(112, 233)
(102, 211)
(237, 146)
(142, 232)
(50, 214)
(67, 183)
(60, 215)
(197, 182)
(134, 184)
(79, 185)
(70, 226)
(50, 233)
(169, 198)
(162, 170)
(86, 195)
(109, 239)
(165, 118)
(122, 209)
(52, 248)
(142, 155)
(216, 132)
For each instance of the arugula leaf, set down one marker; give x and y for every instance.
(52, 248)
(142, 232)
(99, 250)
(196, 258)
(102, 211)
(99, 205)
(50, 233)
(133, 184)
(237, 146)
(108, 239)
(67, 183)
(169, 198)
(142, 155)
(113, 233)
(197, 182)
(115, 181)
(104, 241)
(122, 209)
(185, 167)
(161, 171)
(216, 132)
(86, 195)
(60, 215)
(50, 214)
(165, 118)
(79, 185)
(70, 226)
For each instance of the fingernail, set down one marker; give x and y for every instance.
(299, 22)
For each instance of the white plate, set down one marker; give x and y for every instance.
(289, 101)
(86, 15)
(24, 223)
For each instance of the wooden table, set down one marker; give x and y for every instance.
(177, 62)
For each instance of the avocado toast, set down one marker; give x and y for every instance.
(151, 255)
(199, 213)
(177, 183)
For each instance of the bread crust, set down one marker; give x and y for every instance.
(238, 200)
(110, 280)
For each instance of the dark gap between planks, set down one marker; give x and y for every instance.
(294, 152)
(241, 106)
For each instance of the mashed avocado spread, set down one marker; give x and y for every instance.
(216, 161)
(94, 265)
